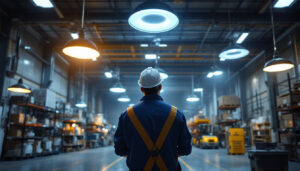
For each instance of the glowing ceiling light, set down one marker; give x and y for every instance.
(198, 89)
(163, 45)
(278, 65)
(19, 88)
(150, 56)
(81, 49)
(233, 52)
(124, 98)
(242, 37)
(192, 98)
(27, 47)
(217, 73)
(108, 74)
(144, 45)
(81, 104)
(283, 3)
(74, 35)
(26, 62)
(222, 59)
(153, 17)
(117, 88)
(210, 75)
(43, 3)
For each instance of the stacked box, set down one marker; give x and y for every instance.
(228, 100)
(17, 118)
(14, 133)
(226, 116)
(286, 121)
(285, 100)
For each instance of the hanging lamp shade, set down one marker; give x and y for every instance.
(153, 16)
(124, 98)
(192, 98)
(81, 104)
(233, 52)
(117, 88)
(278, 65)
(19, 88)
(81, 48)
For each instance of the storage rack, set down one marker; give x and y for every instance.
(68, 139)
(94, 137)
(293, 109)
(33, 110)
(233, 123)
(261, 132)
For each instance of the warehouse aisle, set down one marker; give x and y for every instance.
(103, 159)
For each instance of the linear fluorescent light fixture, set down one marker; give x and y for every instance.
(153, 17)
(283, 3)
(163, 45)
(74, 35)
(108, 74)
(198, 89)
(144, 45)
(43, 3)
(242, 38)
(150, 56)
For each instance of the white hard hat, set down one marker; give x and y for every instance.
(150, 78)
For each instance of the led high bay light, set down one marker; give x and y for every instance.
(233, 52)
(19, 88)
(153, 16)
(81, 48)
(276, 64)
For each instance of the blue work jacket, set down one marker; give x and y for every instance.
(152, 112)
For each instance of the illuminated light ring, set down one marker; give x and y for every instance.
(234, 53)
(168, 20)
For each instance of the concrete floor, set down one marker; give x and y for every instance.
(103, 159)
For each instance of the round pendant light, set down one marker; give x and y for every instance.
(276, 64)
(233, 52)
(117, 88)
(124, 98)
(81, 104)
(81, 48)
(192, 98)
(19, 88)
(153, 17)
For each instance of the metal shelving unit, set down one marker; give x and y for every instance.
(28, 109)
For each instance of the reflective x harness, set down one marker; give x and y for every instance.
(154, 149)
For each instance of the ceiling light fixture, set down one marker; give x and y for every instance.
(19, 88)
(124, 98)
(150, 56)
(108, 74)
(117, 88)
(222, 59)
(198, 89)
(192, 98)
(43, 3)
(217, 73)
(233, 52)
(276, 64)
(81, 48)
(242, 38)
(81, 104)
(163, 45)
(153, 17)
(210, 75)
(74, 35)
(144, 45)
(283, 3)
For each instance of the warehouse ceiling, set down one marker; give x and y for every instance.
(206, 27)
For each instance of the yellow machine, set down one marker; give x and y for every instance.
(235, 141)
(202, 133)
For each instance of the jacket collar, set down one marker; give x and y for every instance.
(151, 97)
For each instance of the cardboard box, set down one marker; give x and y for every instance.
(17, 118)
(226, 116)
(14, 133)
(228, 100)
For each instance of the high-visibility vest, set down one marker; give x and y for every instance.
(154, 149)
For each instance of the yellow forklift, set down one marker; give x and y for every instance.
(203, 133)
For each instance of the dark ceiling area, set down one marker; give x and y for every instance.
(206, 27)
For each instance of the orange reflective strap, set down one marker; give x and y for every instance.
(147, 140)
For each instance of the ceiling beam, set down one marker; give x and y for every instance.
(201, 17)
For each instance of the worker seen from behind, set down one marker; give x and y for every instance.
(152, 134)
